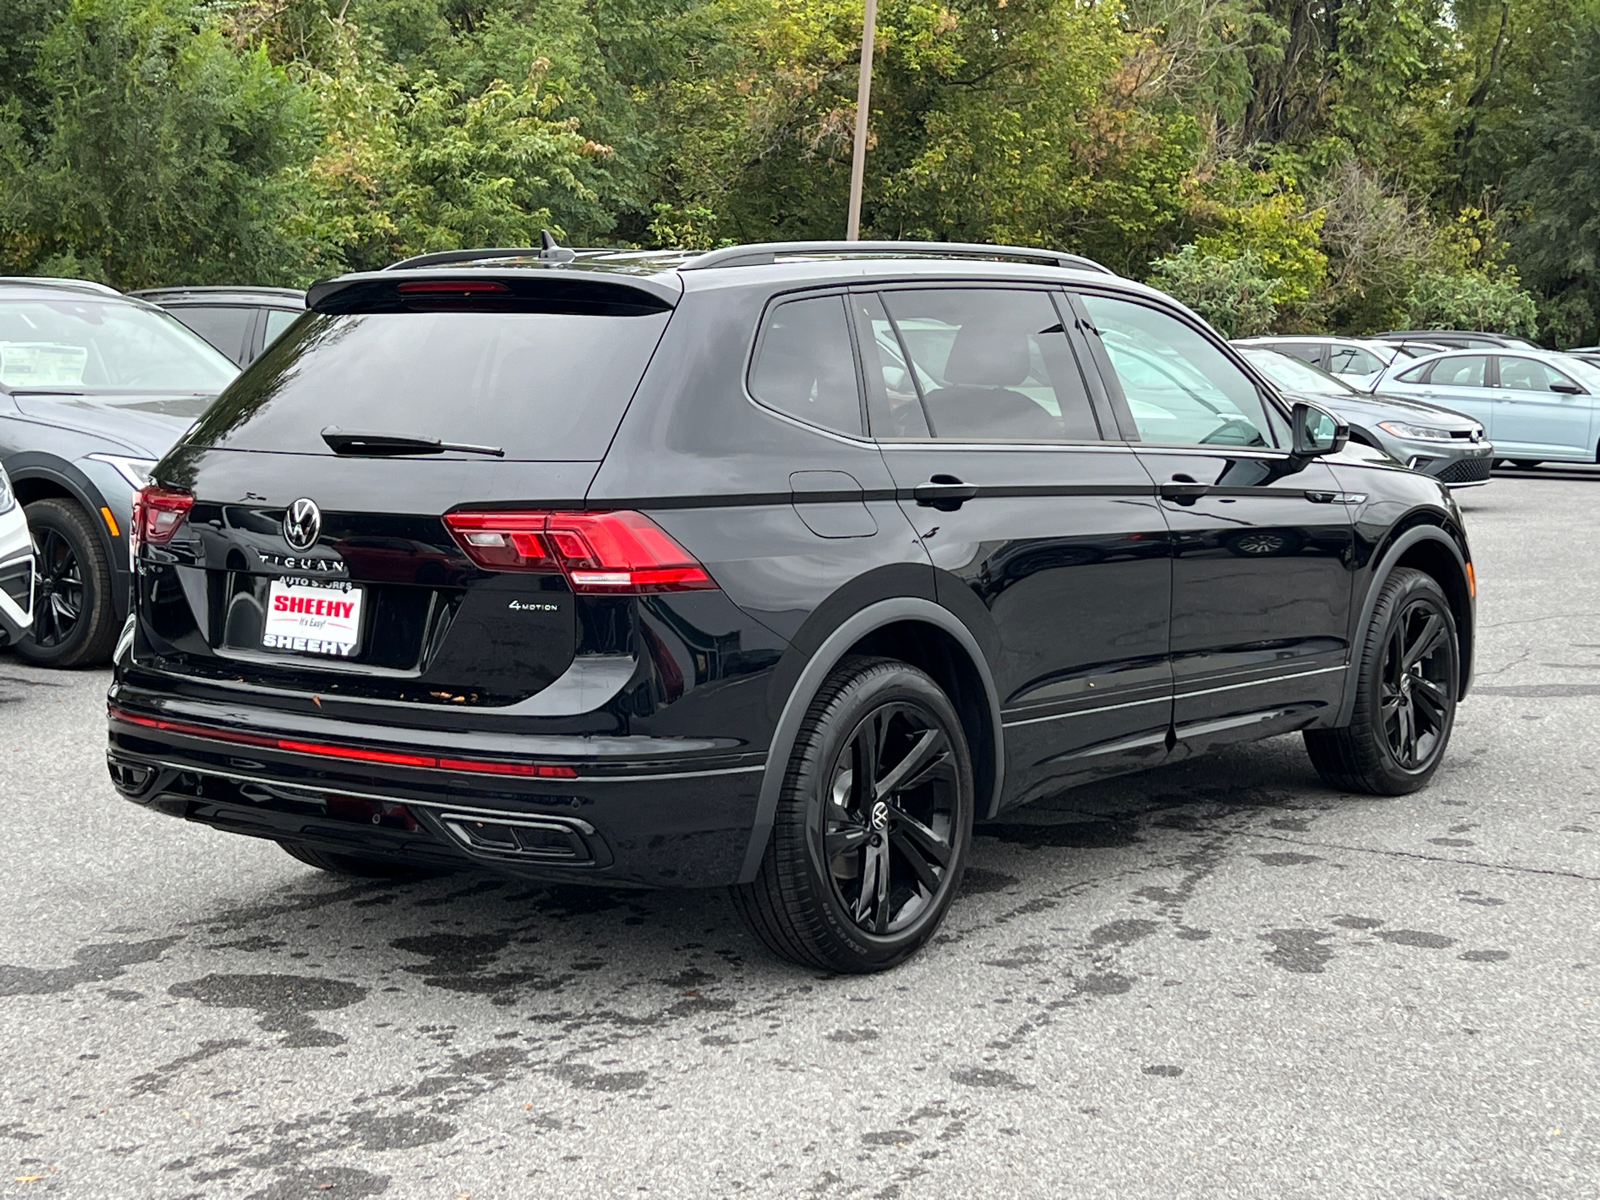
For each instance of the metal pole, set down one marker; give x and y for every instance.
(858, 160)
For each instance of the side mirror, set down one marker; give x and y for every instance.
(1316, 431)
(1566, 388)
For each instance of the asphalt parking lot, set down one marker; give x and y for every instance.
(1217, 979)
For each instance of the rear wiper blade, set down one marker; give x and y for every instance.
(346, 441)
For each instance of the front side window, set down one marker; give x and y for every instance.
(981, 364)
(804, 366)
(1529, 375)
(1181, 388)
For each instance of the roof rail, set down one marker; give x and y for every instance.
(88, 285)
(445, 258)
(760, 254)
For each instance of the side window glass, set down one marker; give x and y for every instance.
(1466, 370)
(894, 406)
(278, 319)
(989, 364)
(1352, 360)
(224, 326)
(1416, 374)
(1182, 389)
(804, 366)
(1528, 375)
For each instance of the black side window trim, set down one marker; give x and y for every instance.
(777, 301)
(1130, 432)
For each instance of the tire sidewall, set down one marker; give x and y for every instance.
(874, 686)
(1415, 586)
(81, 647)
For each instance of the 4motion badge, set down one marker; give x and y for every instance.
(533, 606)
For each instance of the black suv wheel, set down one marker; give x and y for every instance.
(1406, 705)
(74, 618)
(871, 833)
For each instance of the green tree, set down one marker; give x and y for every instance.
(1233, 292)
(158, 154)
(1557, 243)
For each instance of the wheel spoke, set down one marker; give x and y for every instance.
(912, 853)
(931, 845)
(928, 752)
(846, 840)
(1426, 642)
(1429, 699)
(880, 908)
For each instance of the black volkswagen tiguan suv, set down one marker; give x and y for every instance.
(774, 566)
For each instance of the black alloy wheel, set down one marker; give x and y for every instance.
(1406, 699)
(74, 617)
(888, 826)
(1418, 681)
(871, 834)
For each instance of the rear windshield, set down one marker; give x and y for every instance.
(537, 385)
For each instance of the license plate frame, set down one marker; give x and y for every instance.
(314, 618)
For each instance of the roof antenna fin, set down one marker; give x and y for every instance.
(550, 251)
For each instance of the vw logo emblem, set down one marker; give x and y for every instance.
(302, 524)
(880, 815)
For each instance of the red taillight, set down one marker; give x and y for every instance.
(617, 552)
(157, 514)
(354, 753)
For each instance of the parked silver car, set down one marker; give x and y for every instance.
(94, 388)
(16, 566)
(1356, 360)
(1448, 445)
(1538, 405)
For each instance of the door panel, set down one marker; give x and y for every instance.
(1262, 588)
(1459, 382)
(1260, 541)
(1535, 420)
(1038, 530)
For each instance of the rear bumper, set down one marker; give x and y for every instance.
(613, 817)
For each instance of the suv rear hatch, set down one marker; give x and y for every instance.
(297, 538)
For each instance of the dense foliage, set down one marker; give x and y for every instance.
(1290, 164)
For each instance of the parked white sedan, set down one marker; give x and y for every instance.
(16, 567)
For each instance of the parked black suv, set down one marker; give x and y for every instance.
(774, 566)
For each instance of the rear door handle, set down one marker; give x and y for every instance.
(1183, 489)
(944, 492)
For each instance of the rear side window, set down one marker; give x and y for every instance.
(804, 365)
(985, 364)
(223, 325)
(1310, 352)
(539, 385)
(1353, 360)
(1466, 370)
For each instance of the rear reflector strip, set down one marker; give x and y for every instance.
(352, 753)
